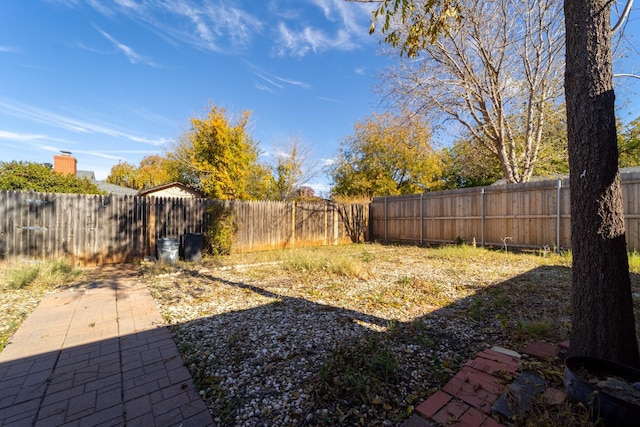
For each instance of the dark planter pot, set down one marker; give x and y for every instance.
(602, 405)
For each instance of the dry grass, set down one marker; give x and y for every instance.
(412, 317)
(422, 311)
(23, 285)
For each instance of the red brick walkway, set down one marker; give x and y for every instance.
(99, 355)
(467, 399)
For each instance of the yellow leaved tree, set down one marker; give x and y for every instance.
(217, 156)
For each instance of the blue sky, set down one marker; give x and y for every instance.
(118, 80)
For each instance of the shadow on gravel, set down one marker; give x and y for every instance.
(291, 361)
(287, 360)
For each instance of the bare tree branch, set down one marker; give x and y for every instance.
(623, 17)
(496, 74)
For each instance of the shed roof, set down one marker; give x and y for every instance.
(174, 184)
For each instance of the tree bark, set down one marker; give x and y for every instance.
(603, 320)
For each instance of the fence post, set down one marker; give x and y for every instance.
(421, 217)
(559, 215)
(482, 225)
(336, 225)
(293, 224)
(385, 219)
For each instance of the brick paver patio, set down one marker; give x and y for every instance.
(468, 399)
(97, 355)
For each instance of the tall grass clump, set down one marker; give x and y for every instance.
(313, 261)
(304, 261)
(22, 276)
(46, 274)
(461, 251)
(347, 267)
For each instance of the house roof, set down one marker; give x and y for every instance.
(105, 186)
(115, 189)
(86, 174)
(183, 187)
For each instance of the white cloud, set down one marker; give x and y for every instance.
(328, 162)
(276, 81)
(210, 24)
(335, 101)
(133, 57)
(14, 136)
(223, 26)
(309, 39)
(106, 155)
(97, 5)
(74, 125)
(272, 82)
(8, 49)
(264, 88)
(351, 22)
(130, 4)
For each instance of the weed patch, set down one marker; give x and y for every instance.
(357, 372)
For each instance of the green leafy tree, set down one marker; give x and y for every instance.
(260, 183)
(387, 155)
(29, 176)
(153, 171)
(553, 158)
(465, 165)
(217, 155)
(629, 145)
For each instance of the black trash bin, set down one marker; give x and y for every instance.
(168, 250)
(192, 247)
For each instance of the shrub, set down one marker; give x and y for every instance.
(222, 229)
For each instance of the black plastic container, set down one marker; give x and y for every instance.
(612, 410)
(192, 247)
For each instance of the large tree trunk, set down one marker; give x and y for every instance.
(603, 319)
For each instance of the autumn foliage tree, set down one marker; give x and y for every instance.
(217, 156)
(386, 155)
(152, 171)
(123, 174)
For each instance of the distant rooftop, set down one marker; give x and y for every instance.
(86, 174)
(115, 189)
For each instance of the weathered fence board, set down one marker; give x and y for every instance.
(94, 229)
(535, 214)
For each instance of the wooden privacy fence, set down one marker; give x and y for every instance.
(264, 225)
(534, 215)
(92, 229)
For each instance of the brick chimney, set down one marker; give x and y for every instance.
(64, 163)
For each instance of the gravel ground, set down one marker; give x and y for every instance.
(355, 335)
(351, 335)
